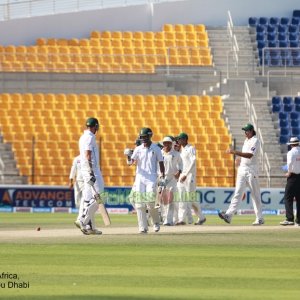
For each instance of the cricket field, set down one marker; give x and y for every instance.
(212, 261)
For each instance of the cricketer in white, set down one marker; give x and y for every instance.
(247, 176)
(92, 176)
(77, 182)
(187, 184)
(146, 156)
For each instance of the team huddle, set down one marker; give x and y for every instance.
(165, 180)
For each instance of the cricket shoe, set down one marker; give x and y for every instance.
(156, 227)
(77, 224)
(94, 231)
(258, 222)
(200, 222)
(224, 217)
(144, 231)
(167, 224)
(180, 223)
(297, 225)
(286, 223)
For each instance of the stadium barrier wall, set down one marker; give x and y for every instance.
(149, 17)
(61, 199)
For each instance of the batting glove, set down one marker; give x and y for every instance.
(128, 152)
(92, 179)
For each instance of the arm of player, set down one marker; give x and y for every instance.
(239, 153)
(92, 179)
(192, 162)
(128, 152)
(179, 167)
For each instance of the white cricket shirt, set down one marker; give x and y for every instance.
(172, 162)
(88, 142)
(252, 146)
(293, 160)
(75, 172)
(188, 156)
(147, 160)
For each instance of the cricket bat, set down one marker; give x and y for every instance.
(103, 212)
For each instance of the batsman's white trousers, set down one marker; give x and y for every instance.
(90, 206)
(78, 195)
(187, 200)
(246, 177)
(145, 198)
(168, 209)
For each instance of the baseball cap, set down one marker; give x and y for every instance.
(248, 126)
(182, 135)
(293, 141)
(167, 139)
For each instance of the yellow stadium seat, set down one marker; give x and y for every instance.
(168, 28)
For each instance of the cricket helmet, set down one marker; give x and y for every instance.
(145, 134)
(92, 122)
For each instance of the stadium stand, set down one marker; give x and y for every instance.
(287, 112)
(56, 122)
(112, 52)
(277, 40)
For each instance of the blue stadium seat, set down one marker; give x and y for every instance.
(295, 131)
(296, 13)
(295, 53)
(288, 107)
(294, 44)
(274, 21)
(276, 108)
(287, 61)
(296, 61)
(275, 53)
(272, 44)
(261, 44)
(295, 123)
(287, 100)
(284, 131)
(272, 29)
(293, 28)
(293, 36)
(294, 115)
(282, 28)
(260, 36)
(283, 139)
(272, 36)
(283, 115)
(286, 53)
(284, 123)
(295, 21)
(263, 21)
(297, 108)
(252, 21)
(283, 44)
(282, 36)
(260, 28)
(276, 100)
(297, 100)
(284, 21)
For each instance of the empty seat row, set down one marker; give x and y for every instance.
(57, 147)
(254, 21)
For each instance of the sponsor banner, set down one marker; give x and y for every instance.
(211, 199)
(36, 196)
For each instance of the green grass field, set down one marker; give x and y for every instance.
(243, 264)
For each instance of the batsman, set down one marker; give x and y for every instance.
(92, 176)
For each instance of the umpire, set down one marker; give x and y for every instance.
(292, 189)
